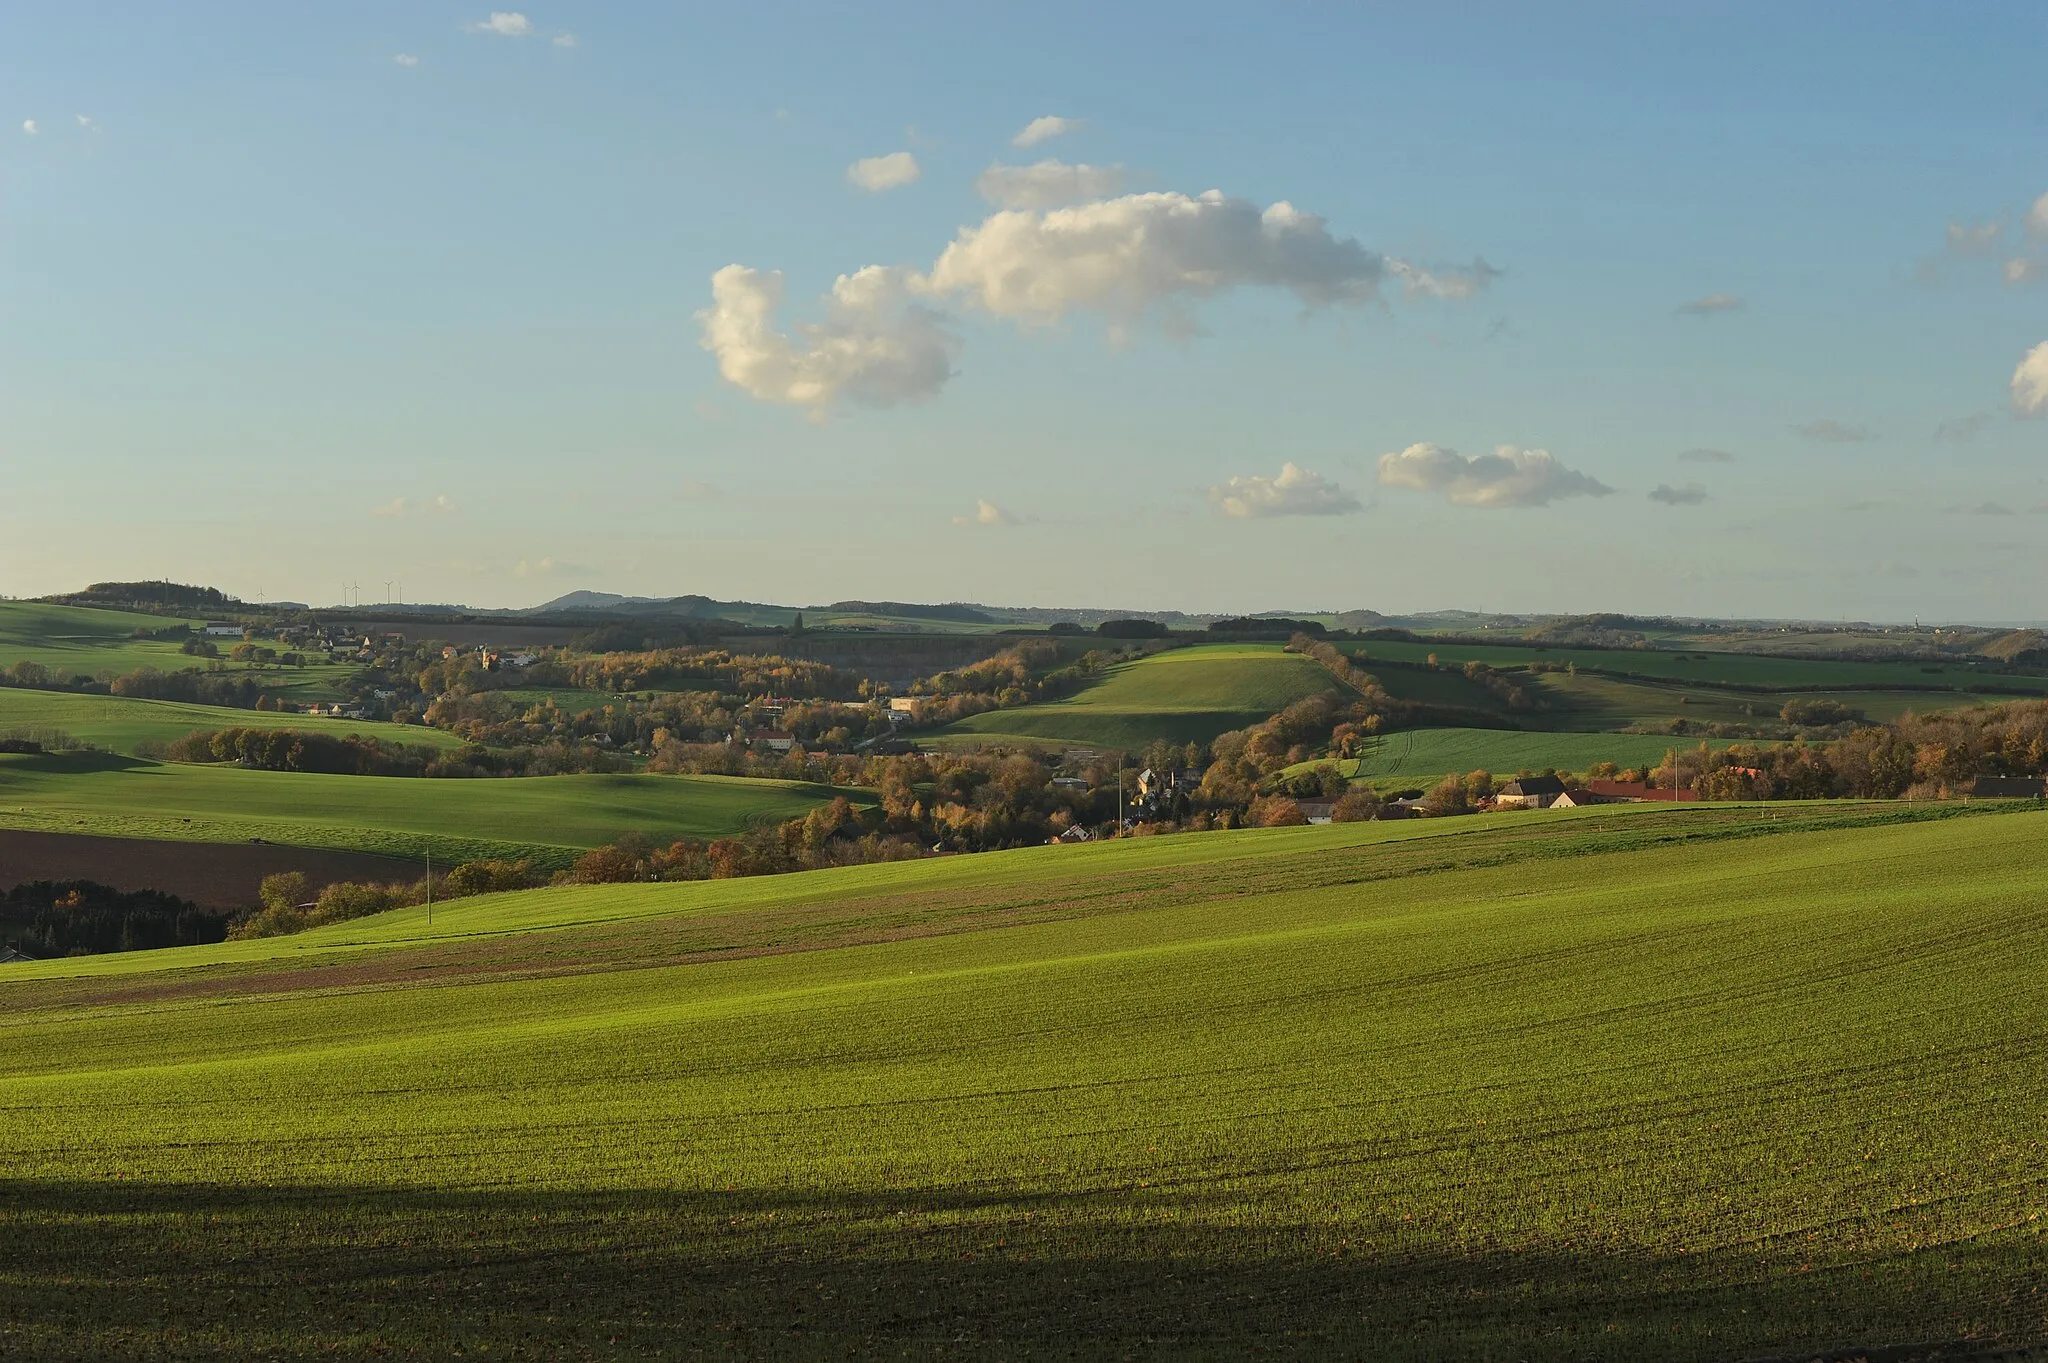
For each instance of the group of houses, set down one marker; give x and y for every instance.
(1549, 792)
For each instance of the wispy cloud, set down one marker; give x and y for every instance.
(1712, 304)
(564, 40)
(1699, 454)
(398, 508)
(1296, 492)
(88, 123)
(1048, 184)
(1692, 494)
(29, 126)
(1831, 432)
(877, 174)
(987, 512)
(1509, 477)
(404, 59)
(1963, 429)
(1044, 130)
(504, 23)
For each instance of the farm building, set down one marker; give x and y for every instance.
(1317, 811)
(1630, 792)
(1530, 792)
(1076, 834)
(9, 955)
(2007, 788)
(222, 630)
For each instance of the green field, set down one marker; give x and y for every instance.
(1728, 669)
(548, 818)
(1613, 1085)
(1182, 695)
(78, 640)
(119, 724)
(1420, 756)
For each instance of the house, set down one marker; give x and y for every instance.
(778, 740)
(221, 630)
(1633, 792)
(1074, 783)
(1529, 792)
(903, 705)
(1157, 785)
(2007, 788)
(520, 660)
(1317, 811)
(1075, 834)
(9, 955)
(1578, 797)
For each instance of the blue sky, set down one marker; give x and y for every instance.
(279, 310)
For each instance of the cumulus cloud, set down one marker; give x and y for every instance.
(506, 24)
(2030, 381)
(28, 125)
(1711, 304)
(1831, 432)
(1692, 494)
(1508, 477)
(1127, 258)
(987, 512)
(1701, 455)
(1044, 130)
(878, 173)
(1048, 184)
(876, 345)
(405, 59)
(1296, 492)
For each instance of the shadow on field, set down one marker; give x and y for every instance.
(111, 1270)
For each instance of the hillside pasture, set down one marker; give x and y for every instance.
(1723, 669)
(1180, 695)
(548, 818)
(1417, 757)
(1611, 1085)
(120, 723)
(82, 641)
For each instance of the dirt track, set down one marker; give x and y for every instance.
(215, 875)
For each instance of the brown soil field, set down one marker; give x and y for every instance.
(214, 875)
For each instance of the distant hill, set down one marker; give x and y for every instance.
(177, 596)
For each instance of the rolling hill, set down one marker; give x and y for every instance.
(1612, 1085)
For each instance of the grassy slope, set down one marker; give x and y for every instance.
(1182, 694)
(1743, 669)
(1419, 756)
(1601, 1087)
(78, 639)
(546, 817)
(118, 723)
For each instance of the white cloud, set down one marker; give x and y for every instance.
(405, 59)
(1127, 256)
(2022, 270)
(1831, 432)
(1454, 282)
(1044, 130)
(1975, 239)
(876, 174)
(987, 512)
(505, 24)
(2037, 219)
(876, 345)
(1692, 494)
(1048, 184)
(1296, 492)
(1711, 304)
(1700, 455)
(1507, 477)
(28, 125)
(564, 40)
(91, 125)
(2030, 382)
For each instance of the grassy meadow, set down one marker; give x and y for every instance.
(1421, 756)
(1182, 695)
(548, 818)
(1625, 1084)
(120, 723)
(74, 640)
